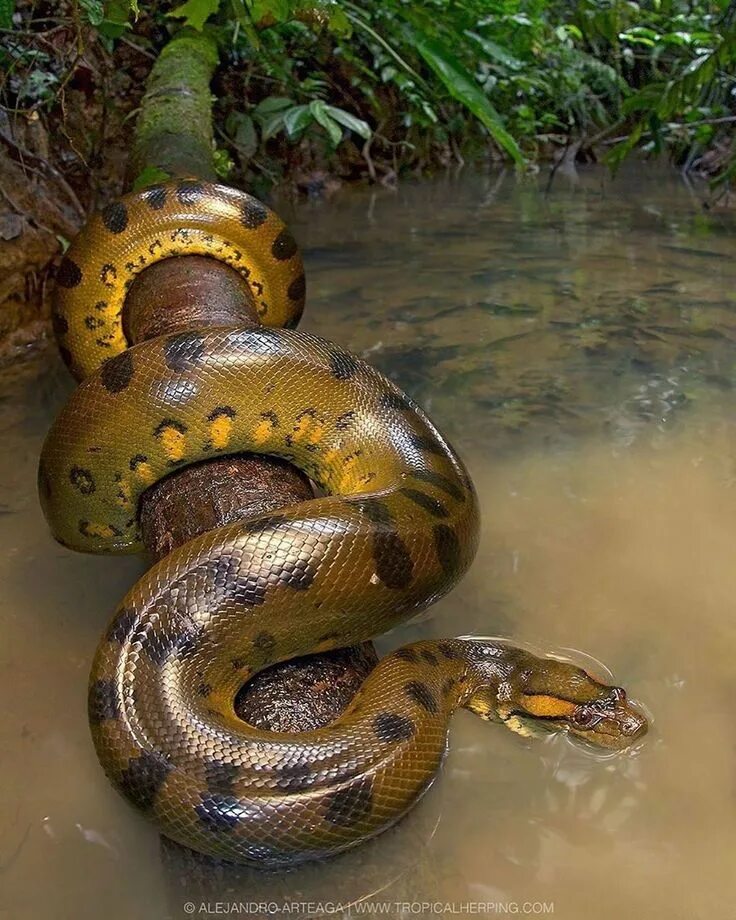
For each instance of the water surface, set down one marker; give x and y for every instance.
(578, 348)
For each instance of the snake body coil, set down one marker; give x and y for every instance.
(396, 530)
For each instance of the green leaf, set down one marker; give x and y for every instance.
(272, 104)
(195, 12)
(270, 10)
(351, 122)
(223, 163)
(496, 52)
(323, 118)
(271, 124)
(461, 86)
(296, 120)
(7, 8)
(117, 18)
(93, 10)
(151, 175)
(338, 22)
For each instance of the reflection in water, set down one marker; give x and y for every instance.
(578, 349)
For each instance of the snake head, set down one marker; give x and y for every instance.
(560, 695)
(530, 694)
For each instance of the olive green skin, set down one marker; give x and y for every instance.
(396, 530)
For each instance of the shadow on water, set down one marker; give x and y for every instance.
(578, 348)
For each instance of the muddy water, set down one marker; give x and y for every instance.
(579, 349)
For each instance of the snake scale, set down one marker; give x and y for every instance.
(395, 527)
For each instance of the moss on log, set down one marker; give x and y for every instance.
(174, 129)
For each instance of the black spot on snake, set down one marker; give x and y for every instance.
(295, 777)
(264, 642)
(394, 565)
(204, 689)
(391, 400)
(183, 351)
(344, 421)
(101, 305)
(103, 701)
(69, 274)
(93, 322)
(82, 480)
(427, 445)
(171, 638)
(297, 289)
(59, 324)
(115, 217)
(429, 504)
(373, 508)
(143, 777)
(442, 482)
(117, 372)
(261, 341)
(390, 727)
(309, 412)
(428, 656)
(347, 807)
(343, 365)
(253, 214)
(270, 416)
(407, 654)
(298, 575)
(419, 692)
(220, 776)
(448, 685)
(189, 191)
(121, 626)
(220, 411)
(136, 461)
(217, 812)
(447, 547)
(108, 274)
(250, 590)
(284, 246)
(448, 651)
(155, 197)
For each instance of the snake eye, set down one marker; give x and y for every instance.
(584, 717)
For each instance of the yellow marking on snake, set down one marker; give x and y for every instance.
(220, 432)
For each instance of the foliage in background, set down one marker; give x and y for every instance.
(389, 85)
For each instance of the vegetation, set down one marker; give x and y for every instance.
(386, 86)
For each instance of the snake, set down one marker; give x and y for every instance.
(392, 527)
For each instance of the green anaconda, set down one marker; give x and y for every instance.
(395, 529)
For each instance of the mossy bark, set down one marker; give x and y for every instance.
(174, 129)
